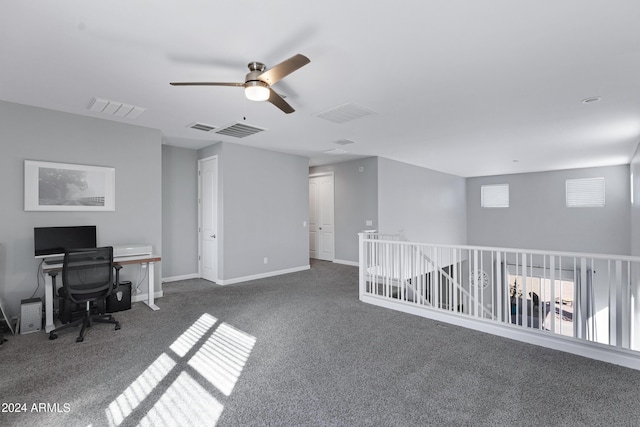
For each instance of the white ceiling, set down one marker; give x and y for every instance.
(467, 87)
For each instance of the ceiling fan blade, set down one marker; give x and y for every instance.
(206, 84)
(279, 102)
(283, 69)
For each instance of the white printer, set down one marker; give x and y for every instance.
(131, 250)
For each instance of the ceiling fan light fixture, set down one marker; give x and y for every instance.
(256, 90)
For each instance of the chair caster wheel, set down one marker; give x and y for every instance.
(52, 336)
(79, 339)
(117, 326)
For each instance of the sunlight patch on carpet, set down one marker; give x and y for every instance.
(186, 403)
(223, 356)
(191, 336)
(215, 367)
(124, 404)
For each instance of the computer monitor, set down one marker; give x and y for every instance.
(52, 241)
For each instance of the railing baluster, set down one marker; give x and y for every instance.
(584, 293)
(552, 288)
(525, 308)
(498, 286)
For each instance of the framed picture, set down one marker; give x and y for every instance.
(68, 187)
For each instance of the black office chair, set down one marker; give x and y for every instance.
(87, 276)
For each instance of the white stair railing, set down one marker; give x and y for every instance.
(589, 299)
(409, 272)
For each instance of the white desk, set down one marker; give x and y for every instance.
(51, 270)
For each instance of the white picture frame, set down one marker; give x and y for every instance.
(50, 186)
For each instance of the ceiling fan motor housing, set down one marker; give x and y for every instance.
(251, 79)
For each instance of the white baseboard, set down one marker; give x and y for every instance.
(345, 262)
(183, 277)
(144, 297)
(597, 351)
(262, 275)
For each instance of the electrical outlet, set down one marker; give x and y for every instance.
(304, 224)
(266, 260)
(368, 223)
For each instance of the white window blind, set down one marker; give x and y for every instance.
(587, 192)
(495, 196)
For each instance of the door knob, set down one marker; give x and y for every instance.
(213, 236)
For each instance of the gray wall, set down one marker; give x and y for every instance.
(38, 134)
(179, 212)
(355, 202)
(538, 218)
(263, 202)
(427, 206)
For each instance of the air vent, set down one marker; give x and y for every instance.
(344, 113)
(115, 108)
(202, 127)
(343, 142)
(239, 130)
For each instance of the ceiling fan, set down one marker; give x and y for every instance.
(258, 81)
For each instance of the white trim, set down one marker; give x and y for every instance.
(262, 275)
(315, 175)
(145, 297)
(345, 262)
(590, 350)
(183, 277)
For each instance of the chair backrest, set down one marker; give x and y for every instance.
(87, 274)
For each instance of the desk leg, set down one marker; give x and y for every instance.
(151, 292)
(48, 303)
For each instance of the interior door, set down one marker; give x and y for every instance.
(208, 227)
(321, 217)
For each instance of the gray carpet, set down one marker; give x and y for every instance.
(300, 349)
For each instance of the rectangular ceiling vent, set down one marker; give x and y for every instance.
(343, 142)
(201, 126)
(344, 113)
(239, 130)
(115, 108)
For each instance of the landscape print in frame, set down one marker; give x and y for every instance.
(52, 186)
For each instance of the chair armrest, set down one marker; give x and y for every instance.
(117, 283)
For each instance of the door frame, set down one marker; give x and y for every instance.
(333, 182)
(200, 161)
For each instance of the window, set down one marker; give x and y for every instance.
(587, 192)
(495, 196)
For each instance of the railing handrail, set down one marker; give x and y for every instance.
(606, 257)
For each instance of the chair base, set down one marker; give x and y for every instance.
(86, 322)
